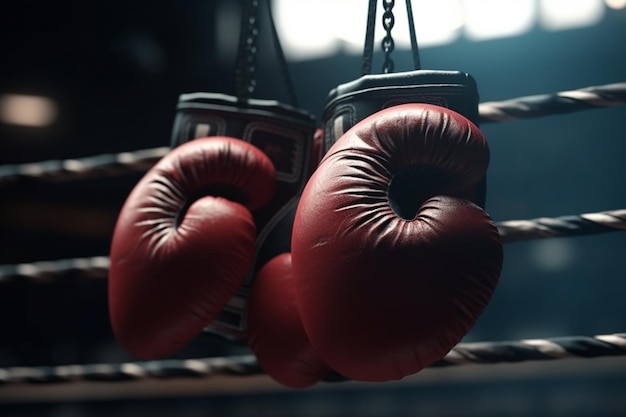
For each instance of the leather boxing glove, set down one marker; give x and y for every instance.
(393, 263)
(184, 242)
(287, 136)
(275, 331)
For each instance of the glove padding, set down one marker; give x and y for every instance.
(184, 242)
(275, 332)
(393, 263)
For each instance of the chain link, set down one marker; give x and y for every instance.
(388, 44)
(246, 70)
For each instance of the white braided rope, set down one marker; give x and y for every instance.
(565, 226)
(91, 166)
(477, 353)
(510, 231)
(493, 111)
(528, 107)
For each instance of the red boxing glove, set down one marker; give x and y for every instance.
(184, 242)
(275, 331)
(393, 263)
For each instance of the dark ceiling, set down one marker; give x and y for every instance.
(116, 69)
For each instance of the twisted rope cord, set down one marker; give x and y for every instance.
(171, 368)
(536, 349)
(510, 231)
(489, 112)
(73, 169)
(564, 226)
(97, 267)
(247, 365)
(551, 104)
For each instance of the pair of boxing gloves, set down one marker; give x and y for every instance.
(391, 260)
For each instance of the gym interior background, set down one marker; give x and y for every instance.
(111, 73)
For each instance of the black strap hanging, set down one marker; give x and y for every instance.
(368, 50)
(388, 44)
(414, 47)
(246, 65)
(284, 67)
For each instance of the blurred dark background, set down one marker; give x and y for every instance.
(115, 70)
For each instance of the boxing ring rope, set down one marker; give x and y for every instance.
(246, 365)
(95, 266)
(93, 166)
(476, 353)
(564, 226)
(510, 231)
(526, 107)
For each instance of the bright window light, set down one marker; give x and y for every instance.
(27, 110)
(437, 22)
(312, 29)
(488, 19)
(308, 28)
(348, 28)
(569, 14)
(615, 4)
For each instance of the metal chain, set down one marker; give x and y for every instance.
(246, 59)
(388, 45)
